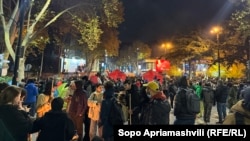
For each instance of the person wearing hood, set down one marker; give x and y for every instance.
(78, 107)
(55, 125)
(240, 112)
(94, 104)
(105, 113)
(132, 98)
(182, 116)
(208, 99)
(158, 108)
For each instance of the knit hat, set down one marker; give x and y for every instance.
(57, 104)
(152, 85)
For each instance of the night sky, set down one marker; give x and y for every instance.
(154, 20)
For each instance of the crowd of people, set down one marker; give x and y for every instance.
(78, 109)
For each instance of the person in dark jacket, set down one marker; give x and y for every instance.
(172, 92)
(221, 94)
(182, 117)
(241, 86)
(78, 107)
(141, 108)
(232, 95)
(104, 121)
(132, 100)
(87, 86)
(17, 121)
(158, 108)
(55, 125)
(207, 97)
(240, 114)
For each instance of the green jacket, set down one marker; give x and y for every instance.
(198, 90)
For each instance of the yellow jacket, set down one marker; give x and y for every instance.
(43, 104)
(94, 104)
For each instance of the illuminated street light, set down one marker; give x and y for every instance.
(166, 46)
(217, 30)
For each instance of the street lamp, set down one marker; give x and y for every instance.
(166, 46)
(217, 30)
(137, 55)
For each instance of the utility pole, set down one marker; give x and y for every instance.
(137, 55)
(217, 30)
(19, 43)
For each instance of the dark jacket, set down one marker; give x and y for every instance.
(78, 105)
(16, 121)
(54, 126)
(156, 111)
(135, 100)
(172, 90)
(135, 96)
(221, 94)
(208, 95)
(107, 127)
(4, 133)
(180, 108)
(141, 108)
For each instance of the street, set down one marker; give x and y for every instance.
(214, 119)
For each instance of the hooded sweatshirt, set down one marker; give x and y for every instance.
(238, 107)
(156, 111)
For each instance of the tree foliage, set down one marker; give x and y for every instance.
(193, 46)
(43, 15)
(96, 27)
(236, 35)
(90, 31)
(237, 70)
(110, 41)
(113, 11)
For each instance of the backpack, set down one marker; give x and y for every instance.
(193, 102)
(116, 114)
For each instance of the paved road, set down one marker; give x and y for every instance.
(214, 119)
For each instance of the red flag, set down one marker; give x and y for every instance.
(162, 65)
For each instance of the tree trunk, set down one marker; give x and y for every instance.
(21, 69)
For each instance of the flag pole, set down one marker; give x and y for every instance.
(130, 110)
